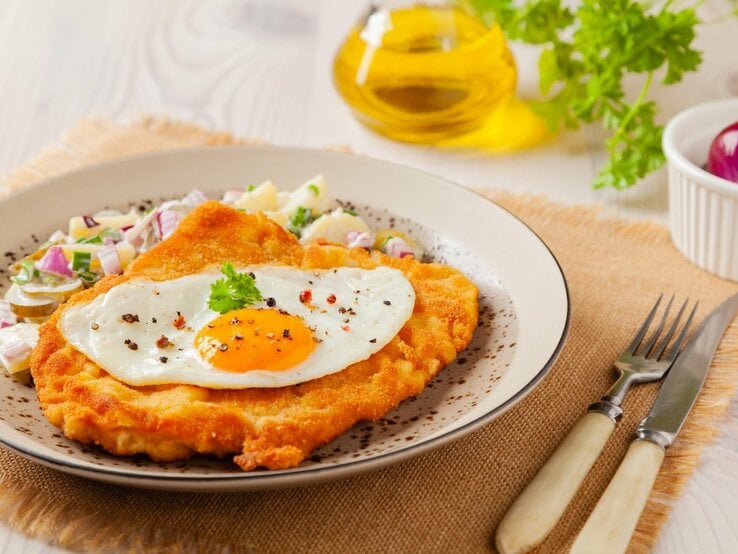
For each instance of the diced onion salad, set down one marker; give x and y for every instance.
(105, 243)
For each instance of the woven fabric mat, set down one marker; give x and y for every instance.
(449, 500)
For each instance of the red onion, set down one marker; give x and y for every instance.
(723, 157)
(55, 262)
(7, 317)
(398, 248)
(17, 350)
(134, 235)
(359, 239)
(109, 260)
(194, 198)
(166, 223)
(232, 195)
(89, 221)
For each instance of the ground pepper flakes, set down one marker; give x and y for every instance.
(163, 342)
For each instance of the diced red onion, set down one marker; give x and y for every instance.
(134, 235)
(89, 221)
(125, 228)
(359, 239)
(232, 195)
(109, 260)
(166, 223)
(194, 198)
(55, 262)
(7, 317)
(17, 350)
(398, 248)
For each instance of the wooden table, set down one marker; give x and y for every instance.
(262, 69)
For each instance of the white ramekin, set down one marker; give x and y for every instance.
(703, 208)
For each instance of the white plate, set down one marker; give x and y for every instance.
(524, 305)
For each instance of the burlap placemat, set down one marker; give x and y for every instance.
(449, 500)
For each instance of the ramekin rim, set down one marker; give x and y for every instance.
(675, 156)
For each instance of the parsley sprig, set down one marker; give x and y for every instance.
(587, 53)
(234, 292)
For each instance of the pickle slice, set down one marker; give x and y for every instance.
(57, 293)
(27, 306)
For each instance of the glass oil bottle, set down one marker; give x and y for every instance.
(424, 72)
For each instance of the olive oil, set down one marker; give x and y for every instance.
(424, 73)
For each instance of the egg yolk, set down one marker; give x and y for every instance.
(248, 339)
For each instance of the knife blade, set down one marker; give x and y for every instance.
(611, 524)
(684, 381)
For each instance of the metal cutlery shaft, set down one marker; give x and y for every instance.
(537, 510)
(611, 524)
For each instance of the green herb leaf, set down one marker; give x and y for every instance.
(95, 239)
(81, 261)
(314, 189)
(26, 273)
(101, 236)
(88, 277)
(250, 188)
(299, 220)
(234, 292)
(548, 70)
(385, 241)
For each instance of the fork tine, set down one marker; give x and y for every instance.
(665, 341)
(655, 335)
(644, 328)
(674, 350)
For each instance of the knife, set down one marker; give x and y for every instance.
(611, 524)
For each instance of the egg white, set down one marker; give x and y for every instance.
(382, 300)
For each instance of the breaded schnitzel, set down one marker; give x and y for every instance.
(274, 428)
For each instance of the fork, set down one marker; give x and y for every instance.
(534, 514)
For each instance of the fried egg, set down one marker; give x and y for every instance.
(310, 323)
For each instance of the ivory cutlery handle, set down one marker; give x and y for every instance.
(536, 511)
(610, 526)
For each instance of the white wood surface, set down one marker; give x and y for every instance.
(262, 68)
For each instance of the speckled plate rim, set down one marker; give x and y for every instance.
(177, 162)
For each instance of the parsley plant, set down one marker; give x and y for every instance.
(588, 51)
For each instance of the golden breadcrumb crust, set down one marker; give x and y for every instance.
(273, 428)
